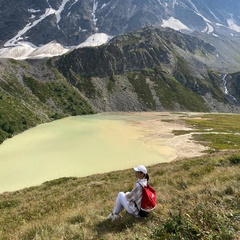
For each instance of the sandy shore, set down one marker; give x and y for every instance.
(157, 133)
(86, 145)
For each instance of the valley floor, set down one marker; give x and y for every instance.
(198, 198)
(158, 133)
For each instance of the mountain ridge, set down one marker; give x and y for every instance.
(71, 22)
(146, 70)
(150, 53)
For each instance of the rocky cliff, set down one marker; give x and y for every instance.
(146, 70)
(70, 22)
(150, 69)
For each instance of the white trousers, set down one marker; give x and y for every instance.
(122, 203)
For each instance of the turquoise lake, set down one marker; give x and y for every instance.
(76, 147)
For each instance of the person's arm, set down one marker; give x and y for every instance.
(134, 194)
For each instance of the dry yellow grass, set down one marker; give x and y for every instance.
(199, 197)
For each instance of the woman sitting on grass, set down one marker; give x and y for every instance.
(131, 201)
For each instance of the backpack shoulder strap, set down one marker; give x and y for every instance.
(142, 185)
(134, 201)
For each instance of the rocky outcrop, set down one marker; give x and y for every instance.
(150, 48)
(71, 22)
(156, 69)
(147, 70)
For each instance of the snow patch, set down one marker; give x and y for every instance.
(209, 29)
(20, 51)
(198, 13)
(104, 5)
(33, 10)
(73, 4)
(95, 5)
(215, 16)
(24, 50)
(48, 50)
(174, 24)
(59, 11)
(14, 41)
(96, 39)
(49, 11)
(219, 25)
(174, 3)
(232, 25)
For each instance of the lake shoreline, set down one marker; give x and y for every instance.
(155, 129)
(86, 145)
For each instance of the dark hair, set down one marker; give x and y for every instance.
(147, 176)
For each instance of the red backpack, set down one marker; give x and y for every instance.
(149, 200)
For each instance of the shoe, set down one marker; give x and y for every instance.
(113, 216)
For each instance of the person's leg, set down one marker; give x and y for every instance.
(121, 202)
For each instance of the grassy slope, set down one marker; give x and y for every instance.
(197, 199)
(27, 100)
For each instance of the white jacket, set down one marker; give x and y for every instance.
(135, 196)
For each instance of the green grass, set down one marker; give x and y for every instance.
(171, 93)
(25, 104)
(217, 122)
(138, 80)
(197, 199)
(217, 131)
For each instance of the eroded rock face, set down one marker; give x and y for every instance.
(153, 69)
(150, 48)
(70, 22)
(147, 70)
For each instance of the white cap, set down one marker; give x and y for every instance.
(140, 168)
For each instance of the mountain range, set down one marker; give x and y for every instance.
(33, 24)
(72, 57)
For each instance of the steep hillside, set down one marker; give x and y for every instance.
(196, 199)
(233, 84)
(33, 93)
(147, 70)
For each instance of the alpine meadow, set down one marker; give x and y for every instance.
(165, 74)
